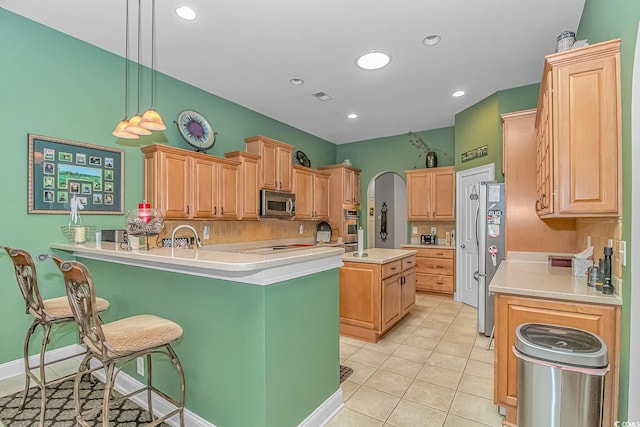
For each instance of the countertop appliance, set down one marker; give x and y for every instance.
(277, 204)
(490, 228)
(428, 239)
(350, 225)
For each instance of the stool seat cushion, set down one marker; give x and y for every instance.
(137, 333)
(58, 308)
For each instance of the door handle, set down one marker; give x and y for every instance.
(476, 276)
(463, 246)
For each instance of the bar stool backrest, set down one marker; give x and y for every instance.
(82, 299)
(28, 282)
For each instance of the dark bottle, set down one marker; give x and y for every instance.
(607, 286)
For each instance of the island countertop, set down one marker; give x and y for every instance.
(378, 255)
(420, 246)
(235, 264)
(536, 279)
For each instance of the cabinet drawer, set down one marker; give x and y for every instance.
(408, 262)
(436, 253)
(435, 266)
(391, 268)
(434, 283)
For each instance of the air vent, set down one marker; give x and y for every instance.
(322, 96)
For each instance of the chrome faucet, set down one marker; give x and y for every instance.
(195, 233)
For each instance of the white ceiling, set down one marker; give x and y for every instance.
(247, 50)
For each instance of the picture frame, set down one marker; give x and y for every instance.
(59, 168)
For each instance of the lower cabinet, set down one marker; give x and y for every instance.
(374, 297)
(511, 311)
(435, 270)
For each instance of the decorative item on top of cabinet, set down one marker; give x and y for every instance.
(578, 133)
(311, 188)
(374, 297)
(249, 201)
(275, 162)
(511, 311)
(184, 184)
(435, 270)
(431, 194)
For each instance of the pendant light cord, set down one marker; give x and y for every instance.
(139, 49)
(126, 62)
(153, 48)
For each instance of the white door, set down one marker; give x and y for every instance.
(467, 183)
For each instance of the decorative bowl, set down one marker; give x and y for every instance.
(144, 222)
(79, 233)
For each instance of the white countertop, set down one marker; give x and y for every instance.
(419, 246)
(536, 279)
(217, 261)
(378, 255)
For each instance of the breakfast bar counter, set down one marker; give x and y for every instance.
(261, 331)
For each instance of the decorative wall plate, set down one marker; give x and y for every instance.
(303, 159)
(195, 129)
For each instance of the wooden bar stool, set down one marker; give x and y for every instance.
(48, 314)
(117, 343)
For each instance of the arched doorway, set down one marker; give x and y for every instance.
(387, 190)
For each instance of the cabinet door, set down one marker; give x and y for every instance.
(285, 174)
(588, 136)
(443, 194)
(269, 164)
(321, 196)
(204, 188)
(391, 301)
(228, 190)
(175, 195)
(356, 187)
(544, 154)
(360, 295)
(418, 195)
(408, 290)
(347, 186)
(303, 181)
(250, 196)
(512, 311)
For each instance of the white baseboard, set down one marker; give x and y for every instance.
(126, 384)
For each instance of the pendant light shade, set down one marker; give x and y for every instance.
(120, 130)
(134, 126)
(151, 119)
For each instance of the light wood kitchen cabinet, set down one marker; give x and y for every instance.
(345, 185)
(312, 193)
(249, 196)
(374, 297)
(578, 128)
(275, 172)
(183, 184)
(511, 311)
(435, 270)
(431, 194)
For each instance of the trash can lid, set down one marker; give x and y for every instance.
(561, 344)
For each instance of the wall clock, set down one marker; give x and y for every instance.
(195, 130)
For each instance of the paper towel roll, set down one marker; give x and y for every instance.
(360, 241)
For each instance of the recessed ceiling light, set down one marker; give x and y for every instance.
(431, 40)
(186, 13)
(373, 60)
(458, 93)
(352, 116)
(296, 81)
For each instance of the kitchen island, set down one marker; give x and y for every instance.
(261, 332)
(534, 292)
(376, 291)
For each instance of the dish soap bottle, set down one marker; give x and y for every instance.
(607, 287)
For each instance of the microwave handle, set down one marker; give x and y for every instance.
(290, 206)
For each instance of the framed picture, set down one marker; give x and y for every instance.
(63, 168)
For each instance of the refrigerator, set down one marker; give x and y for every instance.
(490, 228)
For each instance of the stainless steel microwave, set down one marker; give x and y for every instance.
(277, 204)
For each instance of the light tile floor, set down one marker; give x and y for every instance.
(432, 369)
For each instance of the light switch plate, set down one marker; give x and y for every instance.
(433, 230)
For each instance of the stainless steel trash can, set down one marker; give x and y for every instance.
(560, 376)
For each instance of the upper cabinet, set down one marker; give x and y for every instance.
(183, 184)
(248, 200)
(345, 185)
(274, 167)
(312, 193)
(578, 133)
(431, 194)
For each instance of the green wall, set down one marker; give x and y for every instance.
(603, 21)
(54, 85)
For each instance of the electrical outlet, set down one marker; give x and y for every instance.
(414, 230)
(623, 252)
(206, 232)
(140, 366)
(433, 230)
(301, 229)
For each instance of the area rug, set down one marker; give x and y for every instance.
(60, 408)
(345, 372)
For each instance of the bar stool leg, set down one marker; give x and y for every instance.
(149, 382)
(25, 353)
(43, 376)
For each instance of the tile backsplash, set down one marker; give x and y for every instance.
(601, 230)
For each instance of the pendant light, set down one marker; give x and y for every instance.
(151, 119)
(120, 131)
(134, 122)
